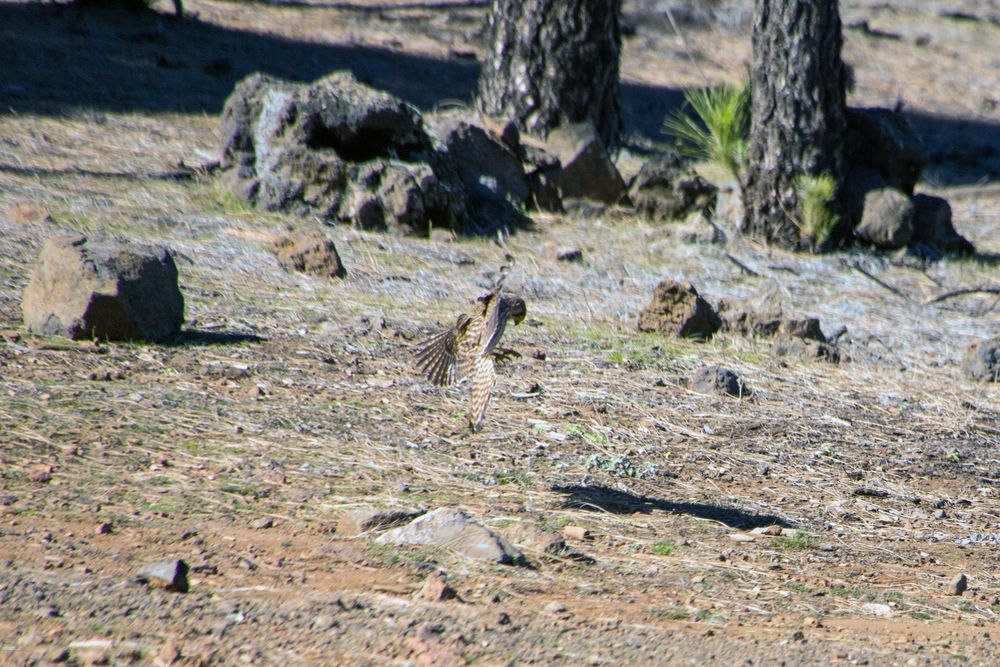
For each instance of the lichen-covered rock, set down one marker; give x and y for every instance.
(103, 288)
(677, 309)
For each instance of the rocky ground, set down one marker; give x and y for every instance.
(826, 517)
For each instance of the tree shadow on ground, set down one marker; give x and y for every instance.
(57, 59)
(603, 499)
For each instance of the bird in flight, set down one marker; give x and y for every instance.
(469, 349)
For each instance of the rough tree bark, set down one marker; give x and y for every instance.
(551, 62)
(798, 113)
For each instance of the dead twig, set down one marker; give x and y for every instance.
(743, 267)
(881, 283)
(962, 291)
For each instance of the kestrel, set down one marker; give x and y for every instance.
(470, 347)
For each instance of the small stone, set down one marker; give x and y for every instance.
(811, 622)
(324, 622)
(104, 528)
(168, 654)
(741, 537)
(529, 536)
(570, 255)
(958, 585)
(436, 590)
(358, 521)
(40, 473)
(576, 533)
(262, 523)
(555, 607)
(170, 574)
(47, 612)
(876, 609)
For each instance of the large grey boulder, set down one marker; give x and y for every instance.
(452, 529)
(339, 150)
(587, 170)
(887, 221)
(103, 288)
(490, 170)
(665, 189)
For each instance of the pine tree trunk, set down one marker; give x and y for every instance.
(553, 61)
(798, 114)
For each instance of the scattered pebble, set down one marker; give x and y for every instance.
(170, 574)
(40, 473)
(576, 533)
(555, 607)
(876, 609)
(570, 255)
(435, 589)
(168, 654)
(104, 528)
(262, 523)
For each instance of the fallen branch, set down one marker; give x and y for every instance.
(982, 289)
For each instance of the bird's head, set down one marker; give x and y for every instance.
(516, 310)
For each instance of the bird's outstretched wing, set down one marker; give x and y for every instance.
(438, 356)
(484, 378)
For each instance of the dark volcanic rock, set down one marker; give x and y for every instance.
(677, 309)
(932, 226)
(664, 189)
(981, 360)
(310, 252)
(341, 151)
(882, 140)
(718, 380)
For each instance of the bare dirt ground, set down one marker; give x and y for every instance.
(292, 398)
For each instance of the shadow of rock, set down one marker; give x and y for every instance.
(197, 337)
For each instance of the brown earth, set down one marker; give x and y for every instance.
(291, 397)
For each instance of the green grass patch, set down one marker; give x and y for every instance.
(669, 613)
(801, 540)
(663, 548)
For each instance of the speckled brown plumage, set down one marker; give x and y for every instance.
(469, 349)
